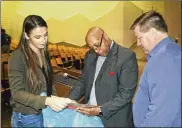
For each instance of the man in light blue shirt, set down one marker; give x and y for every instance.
(158, 98)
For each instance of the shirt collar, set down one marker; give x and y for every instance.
(112, 44)
(159, 46)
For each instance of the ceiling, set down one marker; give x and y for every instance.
(148, 5)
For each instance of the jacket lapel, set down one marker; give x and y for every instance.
(110, 58)
(92, 72)
(93, 67)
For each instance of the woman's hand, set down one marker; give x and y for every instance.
(57, 103)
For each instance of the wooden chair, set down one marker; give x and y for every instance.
(70, 59)
(53, 62)
(50, 47)
(56, 53)
(59, 62)
(51, 54)
(64, 60)
(13, 44)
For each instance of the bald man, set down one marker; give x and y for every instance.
(108, 80)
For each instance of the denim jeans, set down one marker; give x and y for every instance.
(27, 120)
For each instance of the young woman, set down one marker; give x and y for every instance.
(30, 73)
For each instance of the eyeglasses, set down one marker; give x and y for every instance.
(96, 46)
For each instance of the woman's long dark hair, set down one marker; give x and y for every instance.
(31, 22)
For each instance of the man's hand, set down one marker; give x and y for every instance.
(92, 111)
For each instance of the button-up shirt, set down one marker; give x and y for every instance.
(158, 99)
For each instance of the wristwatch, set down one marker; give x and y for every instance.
(100, 113)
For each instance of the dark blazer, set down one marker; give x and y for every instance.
(114, 87)
(24, 99)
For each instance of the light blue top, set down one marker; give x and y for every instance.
(158, 99)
